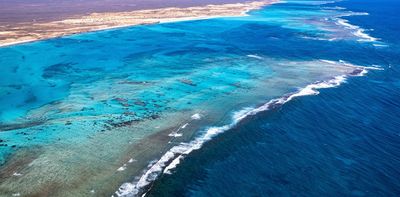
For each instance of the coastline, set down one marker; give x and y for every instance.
(30, 32)
(89, 180)
(130, 159)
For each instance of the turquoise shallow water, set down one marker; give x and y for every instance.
(342, 142)
(86, 113)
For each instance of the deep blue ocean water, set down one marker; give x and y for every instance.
(87, 113)
(343, 142)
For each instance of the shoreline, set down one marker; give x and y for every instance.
(31, 32)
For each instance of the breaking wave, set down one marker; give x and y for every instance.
(176, 154)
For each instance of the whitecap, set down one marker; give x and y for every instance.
(173, 134)
(176, 154)
(255, 57)
(173, 165)
(184, 126)
(355, 30)
(345, 23)
(328, 61)
(17, 174)
(122, 168)
(319, 38)
(364, 36)
(131, 160)
(196, 116)
(380, 45)
(372, 67)
(176, 133)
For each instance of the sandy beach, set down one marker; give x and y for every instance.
(32, 31)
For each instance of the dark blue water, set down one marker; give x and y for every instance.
(343, 142)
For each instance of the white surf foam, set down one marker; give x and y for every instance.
(345, 23)
(122, 168)
(17, 174)
(255, 57)
(184, 126)
(349, 30)
(355, 30)
(380, 45)
(176, 133)
(364, 36)
(319, 38)
(328, 61)
(196, 116)
(336, 8)
(364, 68)
(176, 154)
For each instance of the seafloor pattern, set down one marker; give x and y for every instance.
(82, 114)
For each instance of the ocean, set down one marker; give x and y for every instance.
(343, 142)
(295, 99)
